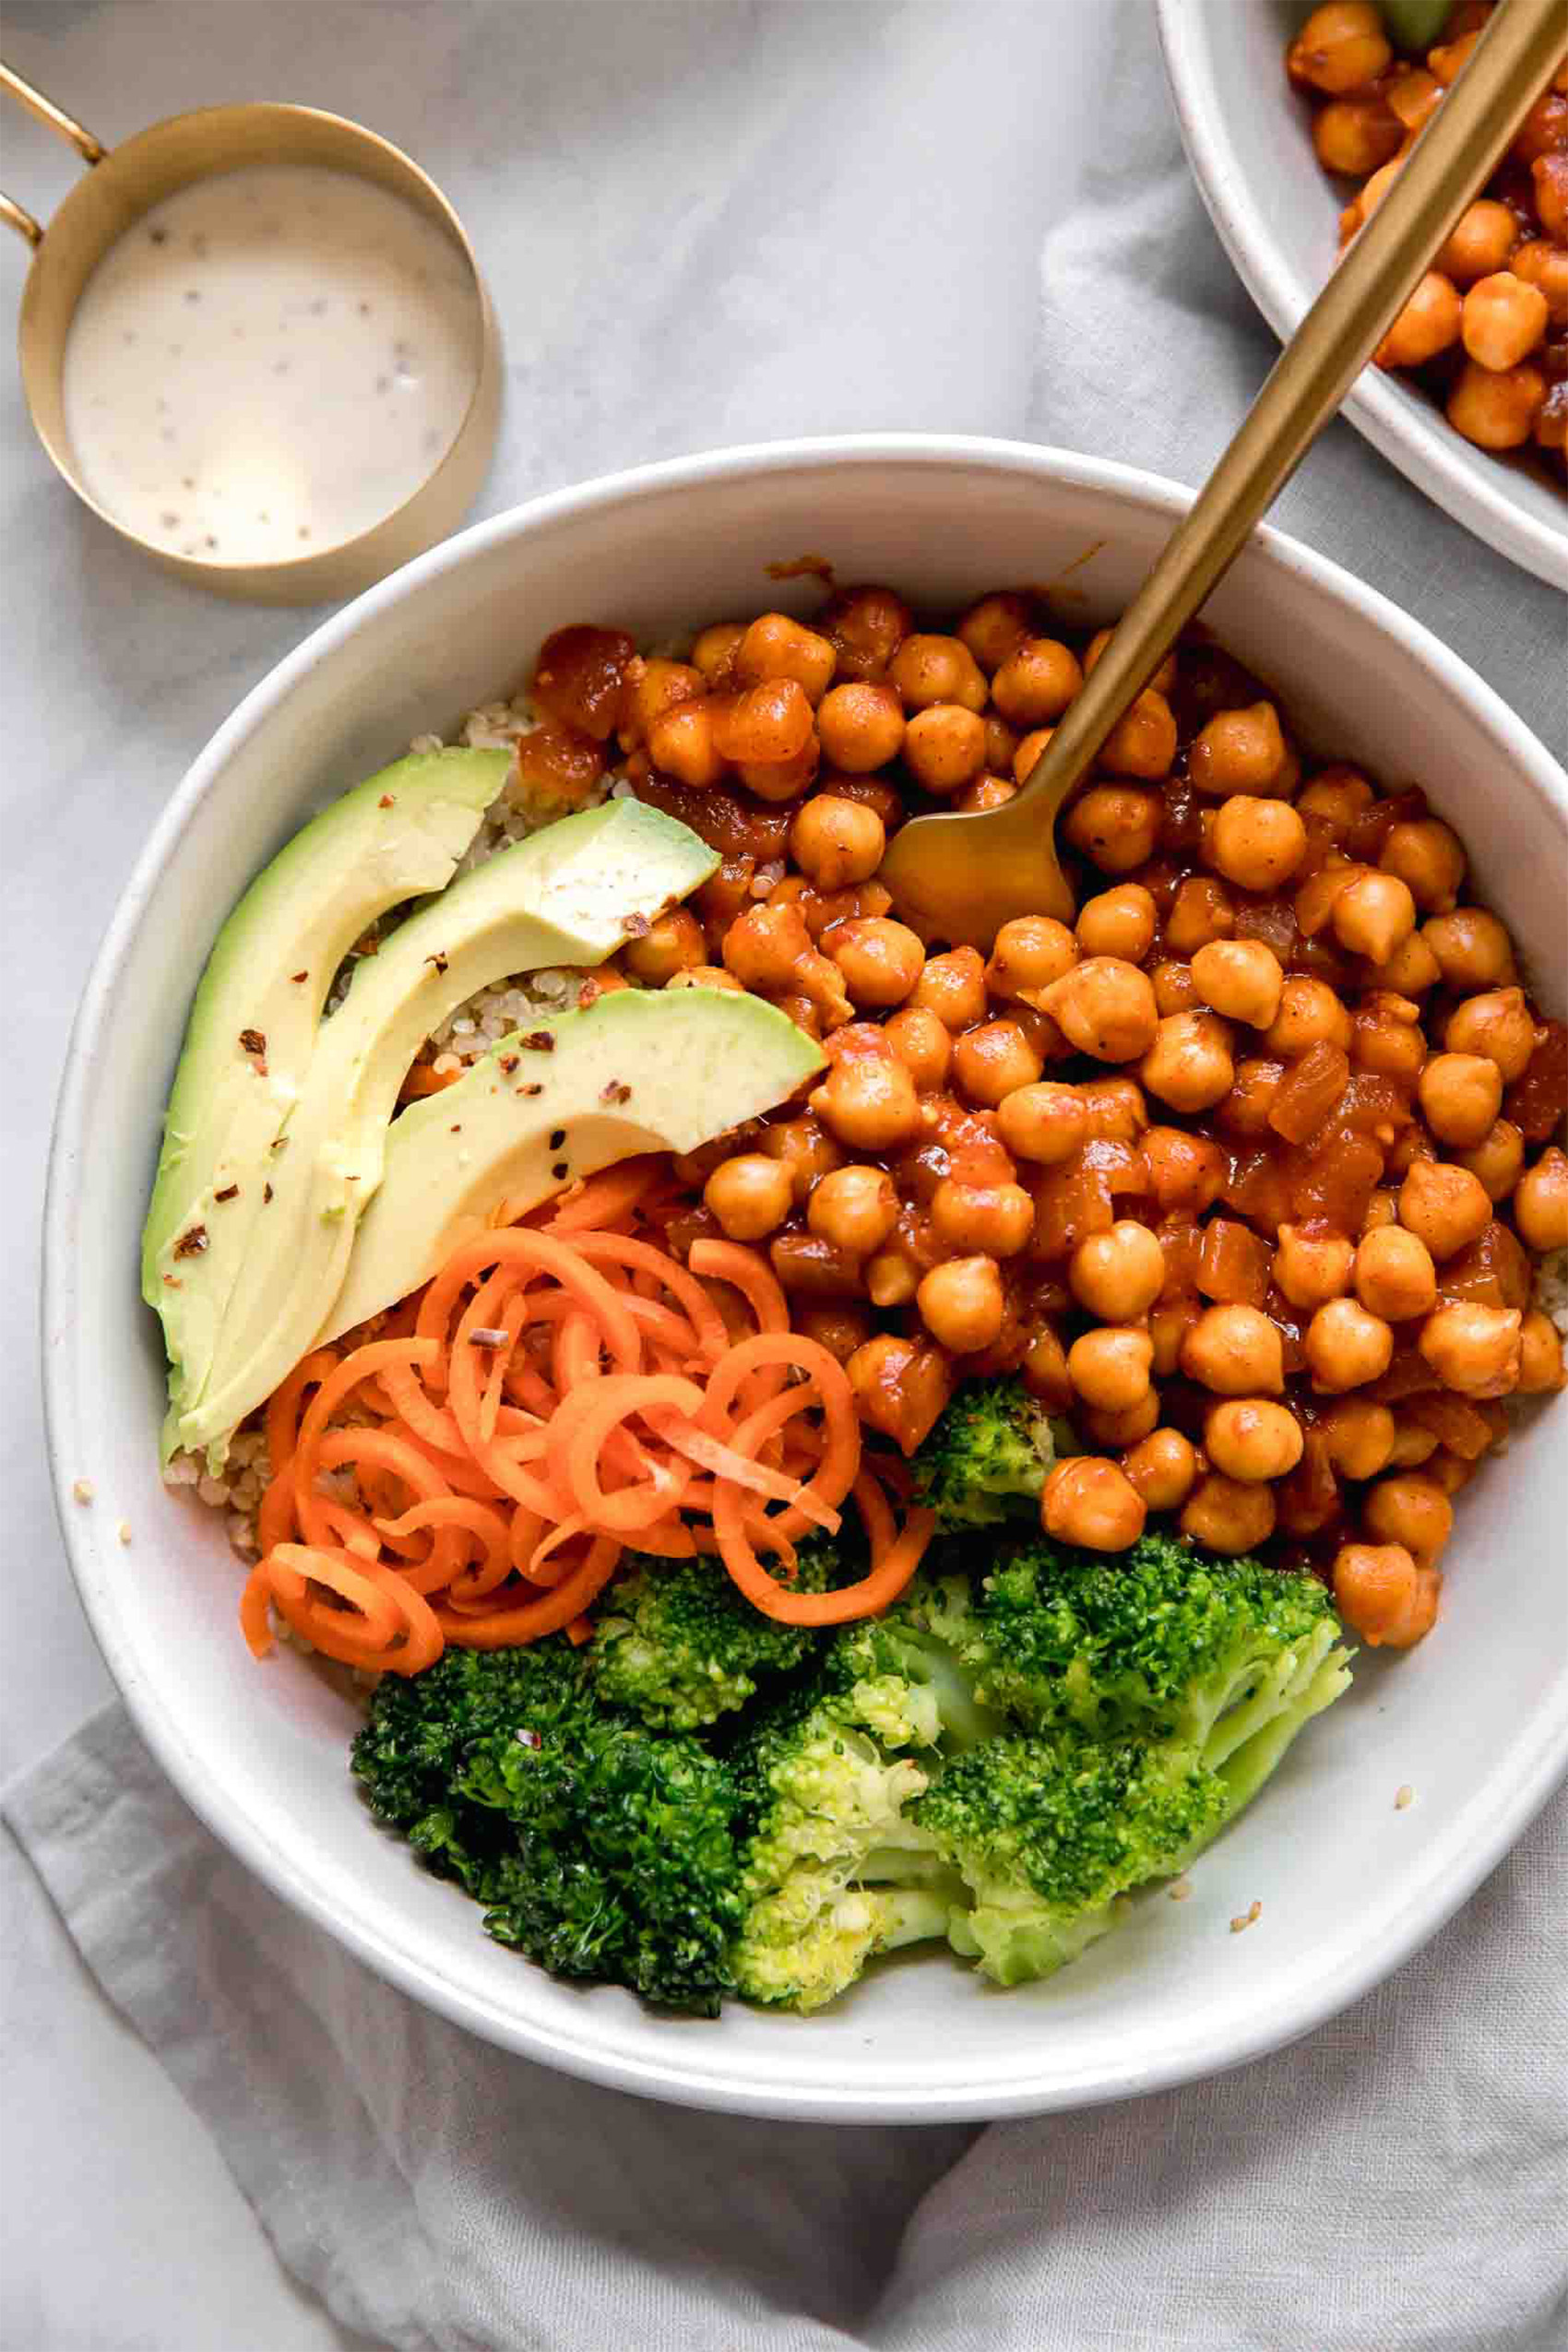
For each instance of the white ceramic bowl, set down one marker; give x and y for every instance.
(1277, 213)
(1475, 1721)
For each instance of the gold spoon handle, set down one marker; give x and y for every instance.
(1451, 159)
(54, 117)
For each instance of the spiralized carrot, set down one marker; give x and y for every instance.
(561, 1388)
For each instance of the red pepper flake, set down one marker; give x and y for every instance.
(535, 1088)
(589, 993)
(616, 1092)
(297, 976)
(456, 1129)
(438, 959)
(192, 1242)
(385, 801)
(230, 1193)
(365, 945)
(266, 1195)
(539, 1041)
(251, 1041)
(509, 1063)
(173, 1282)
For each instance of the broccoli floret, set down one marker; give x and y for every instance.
(832, 1872)
(987, 1458)
(1049, 1832)
(1158, 1643)
(902, 1674)
(679, 1645)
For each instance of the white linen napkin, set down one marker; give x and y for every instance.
(1394, 2184)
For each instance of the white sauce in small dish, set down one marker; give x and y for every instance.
(269, 363)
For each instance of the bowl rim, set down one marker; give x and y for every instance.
(1474, 1838)
(1415, 439)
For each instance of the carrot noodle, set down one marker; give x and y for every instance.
(561, 1387)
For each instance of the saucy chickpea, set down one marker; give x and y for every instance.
(1029, 953)
(1345, 1346)
(881, 960)
(1410, 1510)
(922, 1045)
(1373, 915)
(869, 1104)
(1042, 1122)
(1342, 46)
(1238, 751)
(927, 670)
(1143, 742)
(837, 842)
(1161, 1468)
(1251, 1438)
(1189, 1064)
(1461, 1095)
(1359, 1437)
(1496, 1024)
(961, 1304)
(1240, 978)
(1428, 859)
(1228, 1515)
(1497, 1163)
(1258, 844)
(1118, 1275)
(945, 747)
(992, 1062)
(1114, 825)
(777, 646)
(1105, 1007)
(855, 1207)
(751, 1196)
(1186, 1172)
(1472, 948)
(1473, 1348)
(672, 944)
(1445, 1205)
(994, 1217)
(1089, 1501)
(1109, 1368)
(1395, 1275)
(1313, 1264)
(1036, 683)
(1382, 1595)
(866, 625)
(1540, 1356)
(1540, 1202)
(860, 725)
(1118, 922)
(952, 987)
(1235, 1351)
(995, 626)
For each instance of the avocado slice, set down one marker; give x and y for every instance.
(652, 1071)
(255, 1014)
(568, 894)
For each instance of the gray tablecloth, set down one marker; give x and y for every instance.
(720, 180)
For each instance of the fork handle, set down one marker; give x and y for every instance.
(1451, 158)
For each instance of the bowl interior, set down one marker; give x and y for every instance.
(1247, 134)
(1348, 1884)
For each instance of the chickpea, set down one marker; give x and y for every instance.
(1114, 1432)
(751, 1196)
(1545, 265)
(765, 946)
(1118, 1275)
(1540, 1202)
(706, 976)
(1088, 1500)
(1359, 1436)
(714, 651)
(1373, 915)
(961, 1304)
(1395, 1275)
(952, 987)
(1338, 795)
(927, 670)
(1114, 827)
(1497, 1025)
(1496, 1161)
(922, 1045)
(674, 944)
(1118, 922)
(1412, 1512)
(881, 960)
(837, 842)
(1174, 988)
(1388, 1038)
(1428, 324)
(1000, 745)
(1382, 1595)
(1236, 1351)
(860, 725)
(1027, 751)
(1473, 1348)
(1189, 1064)
(1114, 1109)
(777, 646)
(1412, 1444)
(1461, 1095)
(1164, 677)
(1105, 1007)
(869, 1104)
(1240, 978)
(681, 744)
(992, 1062)
(1472, 948)
(1143, 742)
(855, 1207)
(1238, 751)
(866, 626)
(1036, 683)
(891, 1278)
(1444, 1205)
(1202, 910)
(1412, 968)
(1383, 1208)
(1168, 1323)
(1227, 1515)
(1496, 411)
(804, 1149)
(1428, 858)
(1258, 844)
(1504, 318)
(1480, 241)
(1042, 1122)
(1029, 953)
(1312, 1265)
(1355, 136)
(1250, 1438)
(1044, 1371)
(835, 1324)
(1342, 46)
(1345, 1346)
(1186, 1174)
(995, 626)
(1162, 1469)
(945, 747)
(986, 792)
(1550, 176)
(1109, 1368)
(992, 1217)
(1540, 1356)
(1310, 1013)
